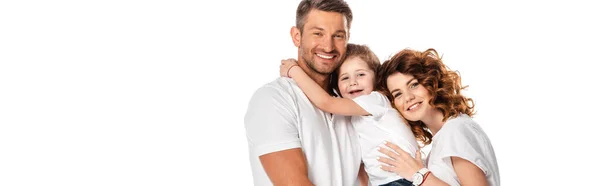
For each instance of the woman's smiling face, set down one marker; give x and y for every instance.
(410, 98)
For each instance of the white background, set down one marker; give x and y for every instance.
(154, 92)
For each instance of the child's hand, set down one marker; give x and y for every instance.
(286, 66)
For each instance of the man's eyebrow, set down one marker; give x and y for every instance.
(340, 31)
(316, 27)
(322, 29)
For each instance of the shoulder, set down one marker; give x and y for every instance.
(462, 131)
(462, 123)
(458, 130)
(373, 98)
(379, 95)
(278, 87)
(463, 138)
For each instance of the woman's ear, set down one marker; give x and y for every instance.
(296, 36)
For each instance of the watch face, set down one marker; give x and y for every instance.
(417, 179)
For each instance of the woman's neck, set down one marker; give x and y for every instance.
(435, 121)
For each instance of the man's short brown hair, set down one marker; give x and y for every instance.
(306, 6)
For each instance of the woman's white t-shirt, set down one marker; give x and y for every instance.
(385, 123)
(462, 137)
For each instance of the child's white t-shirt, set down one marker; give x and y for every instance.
(384, 124)
(462, 137)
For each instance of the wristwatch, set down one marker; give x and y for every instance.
(417, 178)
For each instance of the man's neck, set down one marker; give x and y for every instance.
(321, 79)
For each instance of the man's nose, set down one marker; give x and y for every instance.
(327, 44)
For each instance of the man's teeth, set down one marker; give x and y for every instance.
(324, 56)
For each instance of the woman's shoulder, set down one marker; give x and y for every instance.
(461, 125)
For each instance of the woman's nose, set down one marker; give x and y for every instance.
(408, 96)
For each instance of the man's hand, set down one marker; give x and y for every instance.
(286, 66)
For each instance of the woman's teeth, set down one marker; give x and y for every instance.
(413, 106)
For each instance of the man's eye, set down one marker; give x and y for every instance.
(317, 34)
(339, 36)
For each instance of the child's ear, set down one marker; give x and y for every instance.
(296, 36)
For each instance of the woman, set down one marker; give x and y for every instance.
(427, 94)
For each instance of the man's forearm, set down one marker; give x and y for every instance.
(286, 167)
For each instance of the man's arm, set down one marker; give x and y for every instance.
(271, 130)
(286, 167)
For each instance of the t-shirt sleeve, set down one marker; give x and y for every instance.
(464, 141)
(270, 121)
(375, 103)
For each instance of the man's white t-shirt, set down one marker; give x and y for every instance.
(281, 117)
(384, 123)
(462, 137)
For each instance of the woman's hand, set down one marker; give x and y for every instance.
(401, 162)
(286, 66)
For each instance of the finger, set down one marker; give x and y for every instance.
(388, 161)
(395, 148)
(387, 168)
(389, 153)
(418, 156)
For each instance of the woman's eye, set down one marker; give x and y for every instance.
(397, 95)
(414, 85)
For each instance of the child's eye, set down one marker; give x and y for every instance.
(361, 74)
(343, 78)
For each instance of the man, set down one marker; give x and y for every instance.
(291, 142)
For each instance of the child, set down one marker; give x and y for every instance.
(373, 118)
(427, 94)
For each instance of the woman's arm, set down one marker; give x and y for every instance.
(467, 172)
(317, 95)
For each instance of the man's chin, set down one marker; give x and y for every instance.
(327, 68)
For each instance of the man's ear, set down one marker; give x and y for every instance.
(296, 36)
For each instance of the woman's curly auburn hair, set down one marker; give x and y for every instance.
(442, 84)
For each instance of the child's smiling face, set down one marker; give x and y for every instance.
(356, 78)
